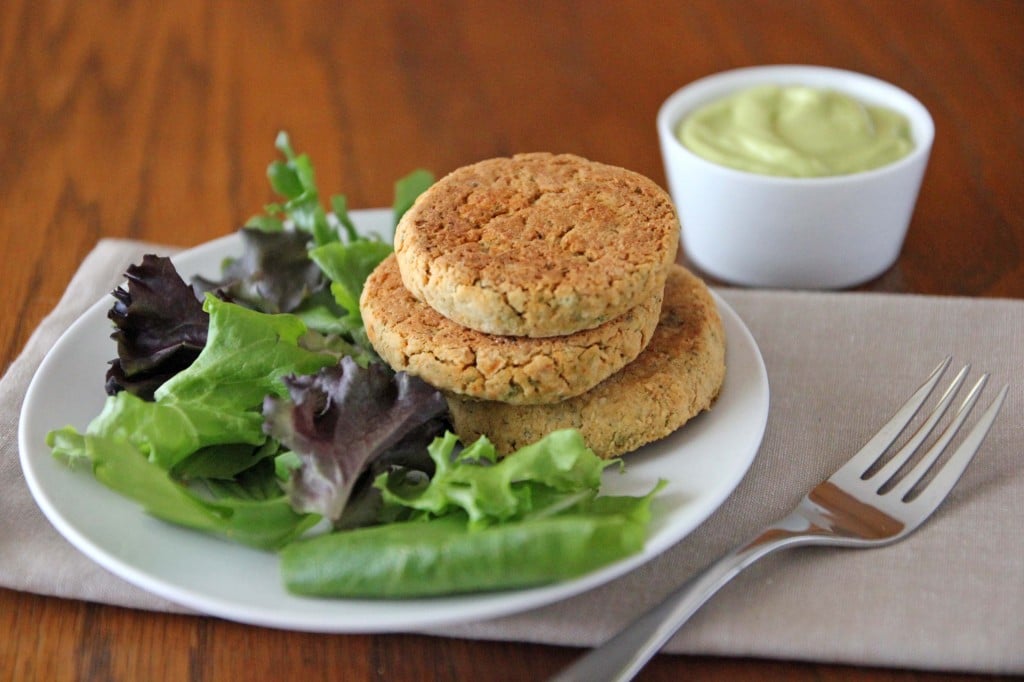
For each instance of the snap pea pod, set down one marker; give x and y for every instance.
(443, 556)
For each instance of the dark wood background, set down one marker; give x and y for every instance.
(155, 121)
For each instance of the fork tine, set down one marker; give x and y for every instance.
(920, 470)
(944, 480)
(890, 469)
(880, 442)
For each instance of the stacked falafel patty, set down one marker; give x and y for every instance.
(539, 292)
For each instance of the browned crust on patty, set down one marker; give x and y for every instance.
(537, 244)
(413, 337)
(677, 376)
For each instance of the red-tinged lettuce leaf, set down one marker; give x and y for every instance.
(407, 461)
(161, 328)
(341, 419)
(274, 274)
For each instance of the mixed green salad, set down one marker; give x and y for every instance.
(253, 407)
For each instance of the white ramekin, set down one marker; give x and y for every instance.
(807, 233)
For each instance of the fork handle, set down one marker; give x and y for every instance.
(621, 657)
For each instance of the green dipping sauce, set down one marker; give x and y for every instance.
(796, 131)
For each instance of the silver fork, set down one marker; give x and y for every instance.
(866, 503)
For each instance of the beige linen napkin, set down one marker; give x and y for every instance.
(950, 597)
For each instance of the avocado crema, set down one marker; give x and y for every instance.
(796, 131)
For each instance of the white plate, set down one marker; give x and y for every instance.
(703, 461)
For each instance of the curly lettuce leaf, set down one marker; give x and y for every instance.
(161, 328)
(338, 421)
(557, 471)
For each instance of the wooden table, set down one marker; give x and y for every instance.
(156, 120)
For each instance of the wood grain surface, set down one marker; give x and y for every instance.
(155, 121)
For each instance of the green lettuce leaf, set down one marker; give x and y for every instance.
(246, 355)
(267, 524)
(526, 482)
(294, 179)
(407, 189)
(348, 266)
(167, 432)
